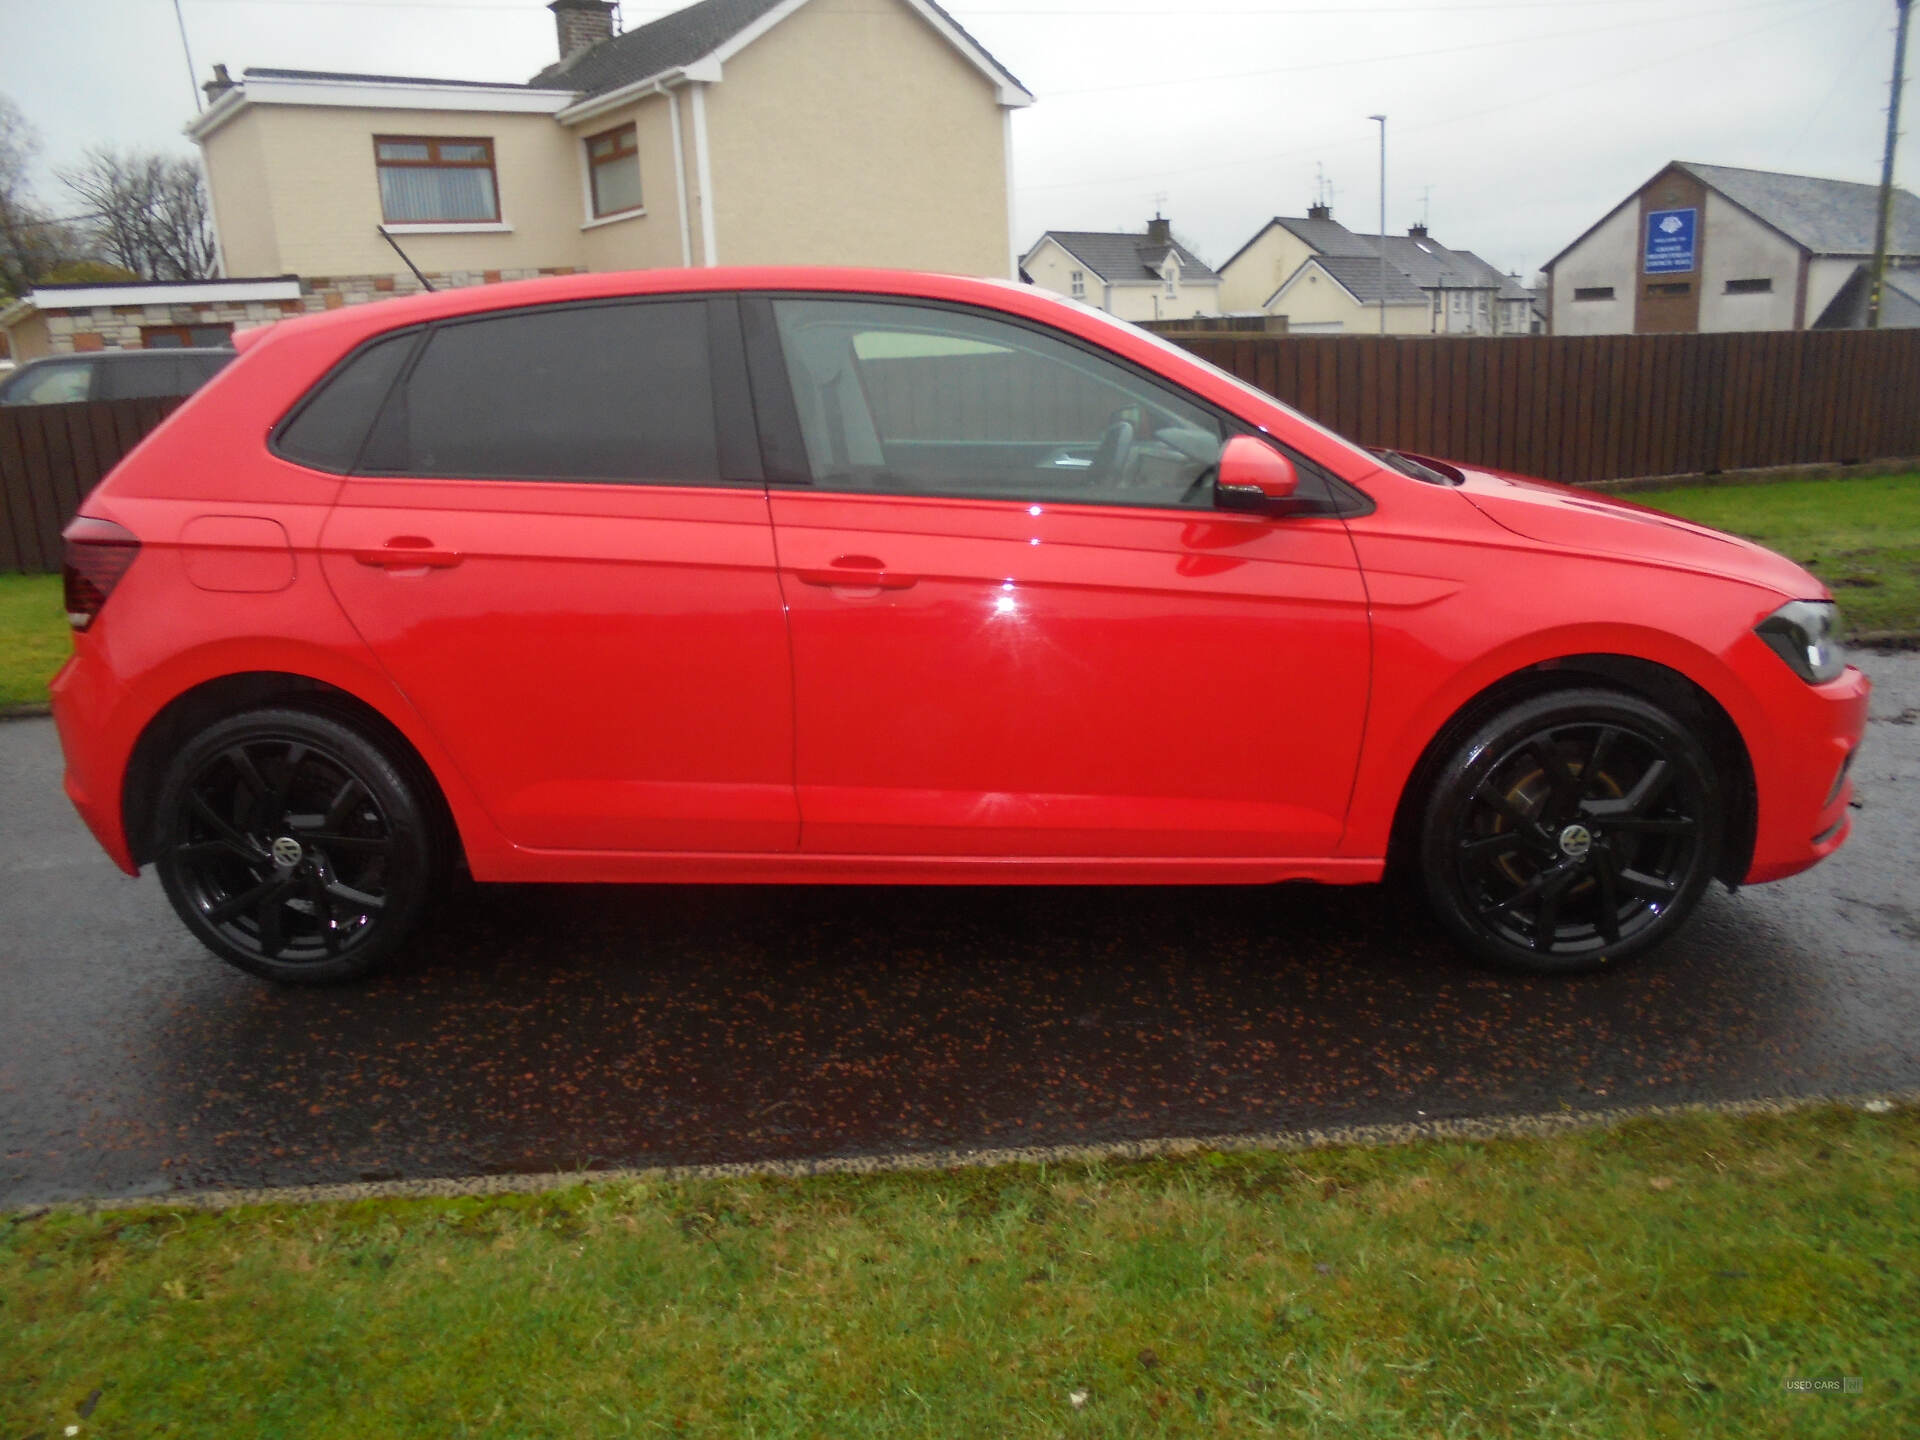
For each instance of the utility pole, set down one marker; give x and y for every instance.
(193, 76)
(1886, 166)
(1383, 218)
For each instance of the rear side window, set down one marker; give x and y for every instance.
(327, 431)
(618, 392)
(144, 378)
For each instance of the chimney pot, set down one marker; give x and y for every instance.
(1319, 212)
(219, 85)
(581, 24)
(1418, 232)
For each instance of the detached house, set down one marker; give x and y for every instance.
(870, 132)
(1326, 279)
(1149, 276)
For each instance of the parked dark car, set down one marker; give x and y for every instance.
(112, 375)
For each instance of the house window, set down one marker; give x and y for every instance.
(174, 337)
(426, 180)
(1762, 286)
(1594, 292)
(1670, 287)
(1077, 282)
(1170, 287)
(613, 168)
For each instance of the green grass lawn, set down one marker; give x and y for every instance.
(34, 636)
(1664, 1277)
(1861, 536)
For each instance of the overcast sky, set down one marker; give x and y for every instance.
(1513, 124)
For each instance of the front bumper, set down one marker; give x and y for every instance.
(1802, 777)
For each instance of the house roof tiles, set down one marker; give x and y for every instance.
(1126, 256)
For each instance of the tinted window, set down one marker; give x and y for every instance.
(326, 432)
(914, 400)
(602, 392)
(145, 377)
(59, 384)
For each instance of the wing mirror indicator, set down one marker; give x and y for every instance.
(1254, 476)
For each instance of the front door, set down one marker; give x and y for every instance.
(553, 550)
(1019, 626)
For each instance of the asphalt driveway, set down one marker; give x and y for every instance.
(543, 1028)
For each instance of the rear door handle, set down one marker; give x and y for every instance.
(409, 552)
(858, 572)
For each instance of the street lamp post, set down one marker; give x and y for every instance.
(1383, 220)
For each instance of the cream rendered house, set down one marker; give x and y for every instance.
(736, 132)
(1148, 276)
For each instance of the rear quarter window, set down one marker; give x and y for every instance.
(328, 428)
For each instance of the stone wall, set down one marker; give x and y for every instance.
(118, 327)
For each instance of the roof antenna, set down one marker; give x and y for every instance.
(1159, 204)
(1426, 204)
(425, 283)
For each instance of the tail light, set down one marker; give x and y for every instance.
(98, 554)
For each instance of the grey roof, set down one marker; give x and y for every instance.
(678, 39)
(1828, 217)
(268, 73)
(1361, 275)
(1329, 237)
(1127, 256)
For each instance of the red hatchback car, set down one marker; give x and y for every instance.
(818, 575)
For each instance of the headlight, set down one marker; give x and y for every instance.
(1801, 633)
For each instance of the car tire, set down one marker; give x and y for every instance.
(294, 846)
(1570, 831)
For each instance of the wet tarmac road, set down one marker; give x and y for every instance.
(545, 1028)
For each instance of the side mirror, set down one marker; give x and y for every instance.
(1253, 476)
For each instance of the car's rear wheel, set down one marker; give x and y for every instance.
(1571, 830)
(294, 846)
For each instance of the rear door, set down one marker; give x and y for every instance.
(556, 540)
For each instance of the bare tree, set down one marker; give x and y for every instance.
(146, 212)
(33, 242)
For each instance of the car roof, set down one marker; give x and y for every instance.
(121, 355)
(358, 320)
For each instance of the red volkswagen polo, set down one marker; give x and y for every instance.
(813, 575)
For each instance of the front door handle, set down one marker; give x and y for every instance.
(858, 572)
(409, 552)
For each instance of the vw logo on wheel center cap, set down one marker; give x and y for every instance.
(287, 851)
(1576, 841)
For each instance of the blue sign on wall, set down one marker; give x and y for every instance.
(1670, 241)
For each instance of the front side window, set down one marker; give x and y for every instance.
(429, 179)
(613, 170)
(908, 399)
(61, 384)
(612, 393)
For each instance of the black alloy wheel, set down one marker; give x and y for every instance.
(1572, 830)
(293, 846)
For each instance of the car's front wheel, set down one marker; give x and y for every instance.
(1571, 830)
(294, 846)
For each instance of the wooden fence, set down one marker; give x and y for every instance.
(50, 457)
(1602, 407)
(1574, 408)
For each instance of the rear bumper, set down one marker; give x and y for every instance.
(1804, 785)
(93, 776)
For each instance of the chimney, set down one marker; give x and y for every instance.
(1159, 231)
(219, 85)
(581, 24)
(1319, 212)
(1417, 232)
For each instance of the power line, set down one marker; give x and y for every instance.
(1325, 141)
(1421, 54)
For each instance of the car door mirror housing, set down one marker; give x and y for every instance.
(1254, 476)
